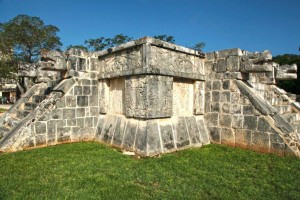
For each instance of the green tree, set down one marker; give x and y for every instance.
(27, 36)
(198, 46)
(166, 38)
(82, 47)
(8, 63)
(291, 86)
(120, 39)
(101, 43)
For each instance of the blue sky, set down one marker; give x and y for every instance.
(253, 25)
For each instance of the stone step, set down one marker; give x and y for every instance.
(30, 105)
(296, 125)
(282, 109)
(38, 98)
(11, 122)
(3, 130)
(291, 117)
(22, 113)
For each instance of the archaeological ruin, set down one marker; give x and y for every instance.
(151, 97)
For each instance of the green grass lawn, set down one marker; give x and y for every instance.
(94, 171)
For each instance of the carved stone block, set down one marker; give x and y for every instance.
(148, 96)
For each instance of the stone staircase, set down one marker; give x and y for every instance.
(289, 110)
(22, 108)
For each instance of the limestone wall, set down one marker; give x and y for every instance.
(149, 95)
(241, 106)
(153, 97)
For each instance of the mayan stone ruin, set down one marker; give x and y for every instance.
(152, 97)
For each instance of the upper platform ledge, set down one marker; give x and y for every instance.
(151, 41)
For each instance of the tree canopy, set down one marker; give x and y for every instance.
(292, 85)
(166, 38)
(82, 47)
(101, 43)
(198, 46)
(26, 36)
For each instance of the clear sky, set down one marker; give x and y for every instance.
(253, 25)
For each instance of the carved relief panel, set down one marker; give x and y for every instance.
(148, 96)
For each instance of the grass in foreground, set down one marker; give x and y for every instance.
(94, 171)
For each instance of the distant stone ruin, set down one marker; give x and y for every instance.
(152, 97)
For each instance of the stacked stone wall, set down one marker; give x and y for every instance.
(153, 97)
(239, 100)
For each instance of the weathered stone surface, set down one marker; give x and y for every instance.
(237, 121)
(40, 139)
(40, 127)
(282, 124)
(243, 138)
(51, 131)
(141, 141)
(215, 134)
(227, 136)
(82, 101)
(167, 137)
(235, 109)
(263, 125)
(212, 119)
(233, 63)
(260, 104)
(225, 121)
(216, 85)
(63, 133)
(248, 110)
(183, 97)
(199, 97)
(204, 137)
(153, 139)
(71, 101)
(193, 130)
(221, 65)
(119, 131)
(250, 122)
(108, 129)
(260, 141)
(225, 96)
(181, 133)
(80, 122)
(215, 107)
(216, 96)
(68, 113)
(100, 125)
(71, 122)
(154, 97)
(165, 59)
(226, 85)
(61, 103)
(148, 97)
(130, 133)
(65, 85)
(78, 90)
(88, 122)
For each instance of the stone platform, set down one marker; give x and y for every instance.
(153, 97)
